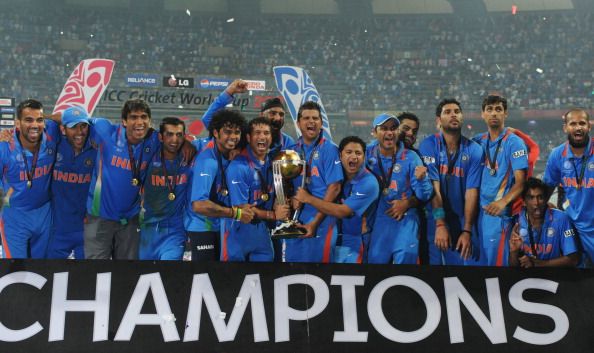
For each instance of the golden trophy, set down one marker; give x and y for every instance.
(287, 166)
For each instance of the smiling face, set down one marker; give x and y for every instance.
(76, 135)
(172, 139)
(31, 125)
(276, 115)
(352, 158)
(577, 128)
(260, 139)
(310, 125)
(137, 123)
(451, 118)
(408, 130)
(227, 138)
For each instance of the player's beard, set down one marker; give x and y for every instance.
(576, 144)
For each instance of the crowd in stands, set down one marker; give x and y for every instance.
(381, 63)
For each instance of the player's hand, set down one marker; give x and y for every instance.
(464, 245)
(237, 86)
(310, 229)
(302, 195)
(526, 261)
(515, 240)
(420, 172)
(495, 208)
(247, 213)
(442, 238)
(6, 135)
(188, 151)
(281, 212)
(398, 208)
(295, 204)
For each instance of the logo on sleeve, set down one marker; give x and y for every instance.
(519, 154)
(568, 233)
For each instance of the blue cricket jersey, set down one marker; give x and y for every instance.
(555, 238)
(360, 194)
(207, 184)
(456, 175)
(111, 194)
(563, 168)
(402, 181)
(244, 177)
(324, 168)
(14, 170)
(159, 184)
(70, 186)
(512, 156)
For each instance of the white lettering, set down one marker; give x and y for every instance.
(61, 305)
(251, 291)
(381, 324)
(32, 279)
(456, 293)
(283, 313)
(132, 317)
(351, 331)
(559, 317)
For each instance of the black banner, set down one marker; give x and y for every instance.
(180, 82)
(121, 306)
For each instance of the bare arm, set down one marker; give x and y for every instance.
(443, 239)
(326, 207)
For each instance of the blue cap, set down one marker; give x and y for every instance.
(73, 116)
(382, 118)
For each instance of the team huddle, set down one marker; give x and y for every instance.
(83, 187)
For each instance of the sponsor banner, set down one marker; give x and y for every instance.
(178, 82)
(142, 80)
(254, 85)
(8, 110)
(217, 84)
(6, 122)
(124, 306)
(7, 116)
(7, 102)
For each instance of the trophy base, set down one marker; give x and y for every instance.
(288, 230)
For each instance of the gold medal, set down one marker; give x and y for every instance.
(386, 191)
(29, 184)
(492, 171)
(264, 197)
(224, 192)
(171, 196)
(134, 181)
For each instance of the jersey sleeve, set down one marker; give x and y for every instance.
(423, 189)
(205, 172)
(332, 165)
(101, 129)
(567, 236)
(428, 153)
(219, 103)
(475, 166)
(238, 183)
(52, 129)
(552, 175)
(363, 195)
(519, 154)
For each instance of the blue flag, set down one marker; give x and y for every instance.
(297, 88)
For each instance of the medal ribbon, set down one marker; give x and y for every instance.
(170, 185)
(29, 172)
(385, 180)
